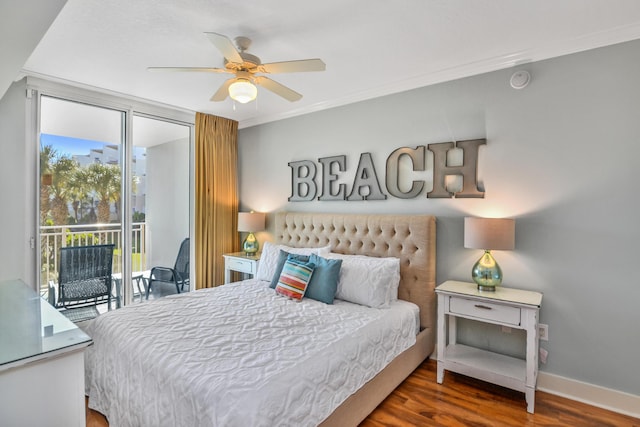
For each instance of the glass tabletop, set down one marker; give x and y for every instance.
(30, 327)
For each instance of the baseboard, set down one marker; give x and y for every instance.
(601, 397)
(606, 398)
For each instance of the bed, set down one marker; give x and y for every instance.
(240, 354)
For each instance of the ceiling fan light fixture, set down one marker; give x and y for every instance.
(243, 91)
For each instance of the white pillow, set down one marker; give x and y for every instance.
(369, 281)
(269, 258)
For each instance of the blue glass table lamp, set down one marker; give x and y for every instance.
(250, 222)
(488, 234)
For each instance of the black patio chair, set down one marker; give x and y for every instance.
(177, 276)
(84, 281)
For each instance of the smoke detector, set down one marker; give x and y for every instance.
(520, 79)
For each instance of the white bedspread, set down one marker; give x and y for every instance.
(238, 355)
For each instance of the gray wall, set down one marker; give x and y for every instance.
(17, 197)
(561, 157)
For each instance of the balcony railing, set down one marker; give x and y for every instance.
(52, 238)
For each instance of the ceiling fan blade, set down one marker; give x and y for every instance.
(189, 69)
(223, 91)
(293, 66)
(277, 88)
(225, 46)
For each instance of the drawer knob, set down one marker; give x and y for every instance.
(484, 307)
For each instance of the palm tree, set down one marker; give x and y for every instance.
(47, 156)
(105, 181)
(63, 169)
(78, 187)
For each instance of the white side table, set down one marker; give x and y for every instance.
(241, 262)
(506, 306)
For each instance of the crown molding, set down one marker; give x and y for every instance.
(513, 59)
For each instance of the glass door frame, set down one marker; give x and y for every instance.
(129, 107)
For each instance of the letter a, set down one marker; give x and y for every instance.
(366, 178)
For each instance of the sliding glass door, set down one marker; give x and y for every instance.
(110, 176)
(160, 202)
(81, 168)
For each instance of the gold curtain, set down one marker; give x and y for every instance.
(216, 196)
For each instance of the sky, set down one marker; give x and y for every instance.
(68, 145)
(77, 146)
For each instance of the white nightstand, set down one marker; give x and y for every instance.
(241, 262)
(508, 307)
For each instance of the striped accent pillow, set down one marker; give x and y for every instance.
(294, 278)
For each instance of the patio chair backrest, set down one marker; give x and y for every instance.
(182, 261)
(84, 276)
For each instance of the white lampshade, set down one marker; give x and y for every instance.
(489, 233)
(243, 91)
(251, 221)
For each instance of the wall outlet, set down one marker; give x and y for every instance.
(543, 355)
(543, 332)
(506, 329)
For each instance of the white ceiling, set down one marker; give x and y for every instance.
(18, 39)
(371, 48)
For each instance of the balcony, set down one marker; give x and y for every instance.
(52, 238)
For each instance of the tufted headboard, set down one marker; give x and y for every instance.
(412, 238)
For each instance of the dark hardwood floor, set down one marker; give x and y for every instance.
(463, 401)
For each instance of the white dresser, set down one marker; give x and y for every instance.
(41, 362)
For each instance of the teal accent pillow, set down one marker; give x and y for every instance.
(282, 258)
(324, 282)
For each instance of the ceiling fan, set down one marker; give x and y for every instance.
(244, 65)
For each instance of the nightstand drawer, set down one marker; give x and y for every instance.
(240, 262)
(485, 310)
(241, 265)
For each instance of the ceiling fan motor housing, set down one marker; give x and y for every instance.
(249, 62)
